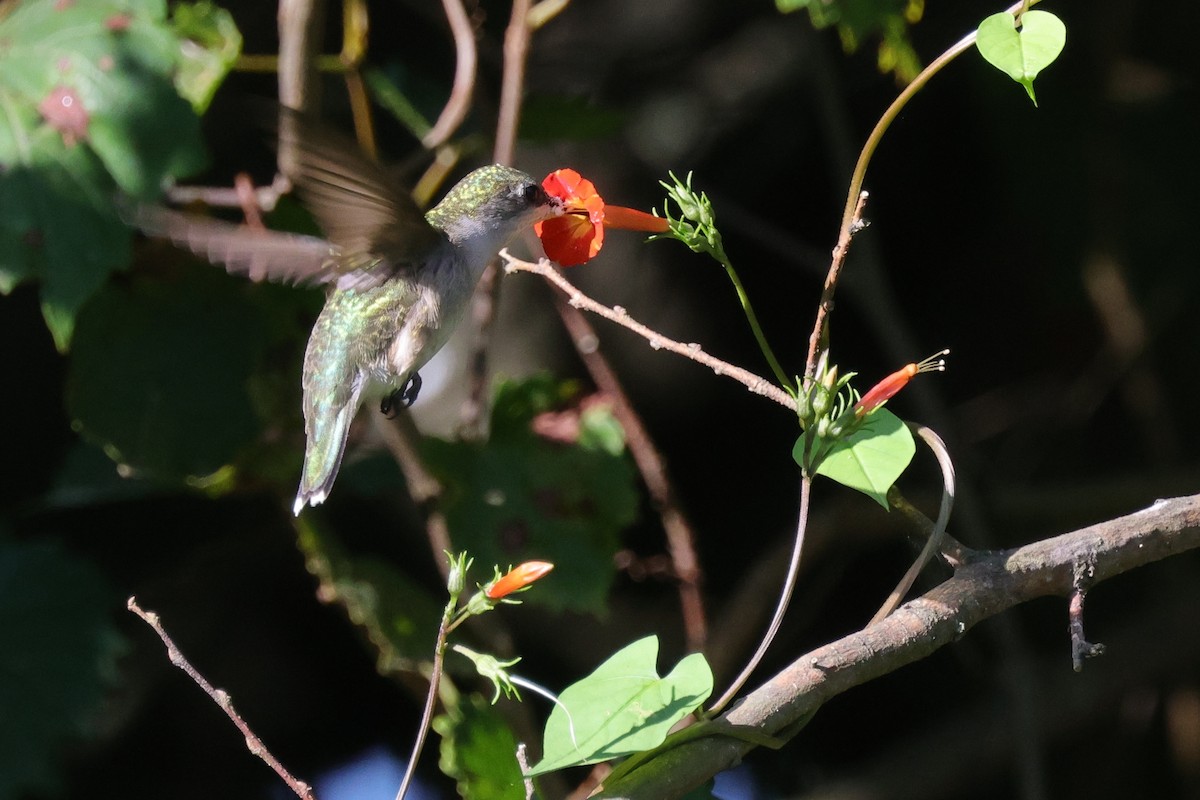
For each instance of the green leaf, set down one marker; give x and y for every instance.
(400, 618)
(1021, 54)
(86, 106)
(860, 20)
(58, 651)
(870, 459)
(160, 370)
(623, 707)
(215, 44)
(522, 497)
(479, 752)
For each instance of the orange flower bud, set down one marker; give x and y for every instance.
(517, 578)
(883, 391)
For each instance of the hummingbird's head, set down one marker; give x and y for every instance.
(490, 206)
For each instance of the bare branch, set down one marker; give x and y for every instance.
(222, 699)
(456, 108)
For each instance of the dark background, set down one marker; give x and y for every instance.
(1052, 249)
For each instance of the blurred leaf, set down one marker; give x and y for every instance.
(860, 20)
(520, 497)
(479, 752)
(87, 106)
(622, 707)
(400, 618)
(88, 477)
(212, 44)
(545, 119)
(159, 373)
(58, 650)
(1021, 54)
(870, 459)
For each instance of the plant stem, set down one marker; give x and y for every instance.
(435, 678)
(752, 318)
(785, 596)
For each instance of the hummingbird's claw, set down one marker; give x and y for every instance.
(405, 396)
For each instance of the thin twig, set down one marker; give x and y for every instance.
(785, 597)
(435, 678)
(617, 314)
(825, 307)
(222, 699)
(487, 293)
(934, 541)
(680, 535)
(459, 103)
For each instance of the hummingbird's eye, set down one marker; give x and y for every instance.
(534, 194)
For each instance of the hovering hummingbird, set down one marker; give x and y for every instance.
(398, 281)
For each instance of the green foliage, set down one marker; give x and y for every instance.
(89, 108)
(58, 650)
(478, 752)
(858, 20)
(623, 707)
(521, 496)
(400, 618)
(215, 44)
(1021, 54)
(160, 373)
(869, 459)
(555, 119)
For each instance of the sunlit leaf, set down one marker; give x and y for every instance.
(1021, 54)
(87, 106)
(872, 458)
(623, 707)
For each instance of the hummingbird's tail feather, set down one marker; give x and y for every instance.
(327, 434)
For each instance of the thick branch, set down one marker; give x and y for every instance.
(992, 583)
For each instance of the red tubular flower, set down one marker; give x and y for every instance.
(578, 235)
(883, 391)
(517, 578)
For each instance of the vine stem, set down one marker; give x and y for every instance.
(785, 597)
(856, 197)
(752, 318)
(435, 679)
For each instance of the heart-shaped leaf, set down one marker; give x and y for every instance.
(1021, 54)
(623, 707)
(872, 458)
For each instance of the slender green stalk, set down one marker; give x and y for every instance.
(752, 318)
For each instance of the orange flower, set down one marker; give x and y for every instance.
(517, 578)
(578, 235)
(883, 391)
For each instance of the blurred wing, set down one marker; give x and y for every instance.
(374, 224)
(259, 254)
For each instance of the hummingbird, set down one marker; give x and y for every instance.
(398, 281)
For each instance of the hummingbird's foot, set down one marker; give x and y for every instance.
(405, 396)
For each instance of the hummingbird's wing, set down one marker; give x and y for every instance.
(256, 253)
(376, 226)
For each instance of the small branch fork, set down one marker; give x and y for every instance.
(1081, 648)
(222, 699)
